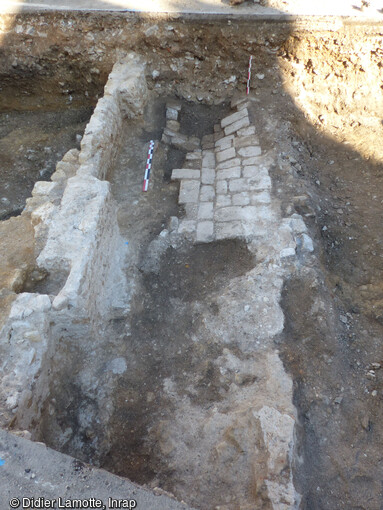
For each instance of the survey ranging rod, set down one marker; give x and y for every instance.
(148, 166)
(249, 75)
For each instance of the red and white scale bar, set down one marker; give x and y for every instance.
(249, 75)
(148, 166)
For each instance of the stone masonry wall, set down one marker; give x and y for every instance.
(81, 250)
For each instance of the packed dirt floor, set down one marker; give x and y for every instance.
(321, 119)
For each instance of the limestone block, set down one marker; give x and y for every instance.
(225, 154)
(207, 193)
(246, 141)
(224, 143)
(171, 114)
(172, 103)
(241, 198)
(247, 131)
(208, 159)
(229, 173)
(223, 201)
(127, 83)
(262, 197)
(297, 224)
(251, 171)
(287, 253)
(228, 230)
(205, 231)
(307, 243)
(71, 156)
(208, 175)
(44, 188)
(234, 117)
(229, 164)
(191, 211)
(250, 152)
(221, 187)
(244, 122)
(205, 211)
(235, 102)
(189, 191)
(260, 183)
(185, 173)
(228, 214)
(238, 185)
(252, 161)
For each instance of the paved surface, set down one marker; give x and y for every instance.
(274, 8)
(225, 188)
(31, 470)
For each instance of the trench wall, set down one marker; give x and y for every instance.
(81, 251)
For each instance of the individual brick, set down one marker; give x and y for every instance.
(238, 185)
(247, 131)
(207, 194)
(235, 102)
(229, 173)
(221, 187)
(223, 201)
(234, 117)
(241, 199)
(185, 173)
(260, 198)
(228, 230)
(260, 183)
(171, 113)
(205, 231)
(189, 192)
(252, 161)
(253, 171)
(250, 152)
(237, 125)
(208, 159)
(229, 164)
(205, 211)
(224, 143)
(225, 155)
(208, 176)
(228, 213)
(191, 211)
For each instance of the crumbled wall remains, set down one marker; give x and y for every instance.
(81, 250)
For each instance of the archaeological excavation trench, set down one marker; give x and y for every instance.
(218, 337)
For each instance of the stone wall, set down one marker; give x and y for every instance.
(80, 249)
